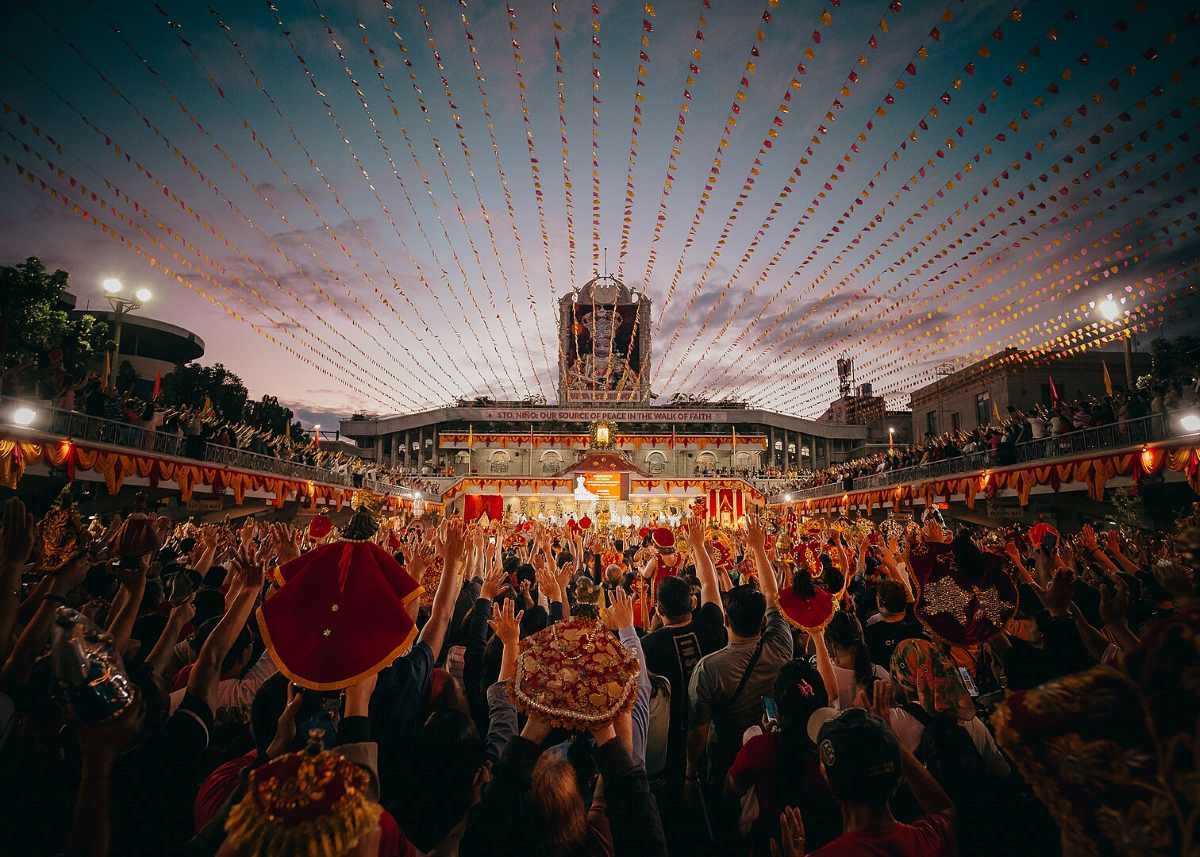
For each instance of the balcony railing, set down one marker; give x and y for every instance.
(78, 426)
(1112, 436)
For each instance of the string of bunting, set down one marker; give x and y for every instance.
(490, 124)
(456, 120)
(177, 153)
(963, 319)
(1053, 89)
(895, 329)
(155, 262)
(560, 83)
(987, 150)
(1100, 270)
(596, 140)
(354, 156)
(889, 99)
(364, 379)
(227, 31)
(639, 98)
(535, 166)
(1145, 287)
(265, 198)
(440, 154)
(685, 104)
(749, 69)
(932, 298)
(768, 142)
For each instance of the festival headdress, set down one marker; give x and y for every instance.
(306, 803)
(575, 675)
(962, 605)
(342, 613)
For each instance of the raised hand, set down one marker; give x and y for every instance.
(1087, 538)
(792, 834)
(505, 624)
(285, 726)
(756, 535)
(493, 581)
(283, 543)
(17, 534)
(620, 613)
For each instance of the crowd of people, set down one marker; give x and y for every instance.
(797, 686)
(200, 423)
(1000, 437)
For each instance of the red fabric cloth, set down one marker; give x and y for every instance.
(217, 787)
(181, 678)
(474, 505)
(931, 836)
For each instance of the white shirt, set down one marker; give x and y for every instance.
(234, 695)
(847, 688)
(908, 731)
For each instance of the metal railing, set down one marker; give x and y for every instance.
(1112, 436)
(78, 426)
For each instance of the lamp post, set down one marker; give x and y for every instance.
(1110, 310)
(891, 437)
(121, 307)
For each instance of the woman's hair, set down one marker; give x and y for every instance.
(799, 691)
(802, 583)
(845, 632)
(554, 791)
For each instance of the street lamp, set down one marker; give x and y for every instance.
(1190, 423)
(1110, 311)
(121, 307)
(891, 436)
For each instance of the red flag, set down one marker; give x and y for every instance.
(157, 386)
(1053, 390)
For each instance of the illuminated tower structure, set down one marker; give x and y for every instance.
(604, 344)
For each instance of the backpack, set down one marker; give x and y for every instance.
(658, 725)
(947, 751)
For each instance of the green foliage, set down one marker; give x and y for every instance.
(127, 376)
(42, 348)
(189, 386)
(1175, 359)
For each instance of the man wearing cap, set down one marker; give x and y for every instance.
(674, 650)
(864, 763)
(726, 689)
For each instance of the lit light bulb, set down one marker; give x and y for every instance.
(1109, 308)
(24, 416)
(143, 295)
(112, 285)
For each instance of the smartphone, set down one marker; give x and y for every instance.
(325, 719)
(770, 709)
(1049, 542)
(968, 682)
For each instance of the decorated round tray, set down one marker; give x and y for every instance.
(575, 674)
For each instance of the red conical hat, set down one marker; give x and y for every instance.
(342, 614)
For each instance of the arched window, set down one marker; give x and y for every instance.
(551, 462)
(744, 461)
(498, 462)
(656, 463)
(705, 462)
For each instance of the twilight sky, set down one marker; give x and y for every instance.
(320, 192)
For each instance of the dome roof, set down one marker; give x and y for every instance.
(606, 289)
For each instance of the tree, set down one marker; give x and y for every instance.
(189, 386)
(42, 348)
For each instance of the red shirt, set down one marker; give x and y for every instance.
(930, 836)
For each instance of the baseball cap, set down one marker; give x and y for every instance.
(860, 756)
